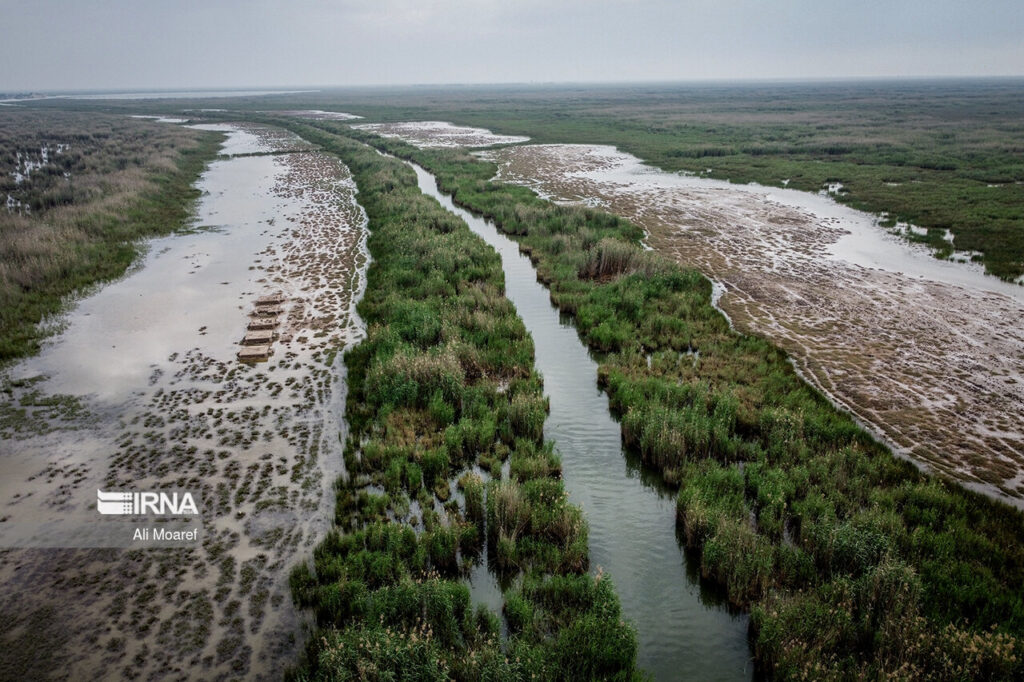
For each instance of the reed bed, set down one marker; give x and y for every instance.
(442, 397)
(81, 191)
(853, 563)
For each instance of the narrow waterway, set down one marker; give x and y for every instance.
(926, 353)
(685, 633)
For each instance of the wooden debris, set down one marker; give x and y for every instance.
(261, 330)
(259, 338)
(263, 323)
(255, 353)
(270, 299)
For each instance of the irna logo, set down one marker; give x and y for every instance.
(141, 504)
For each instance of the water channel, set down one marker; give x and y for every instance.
(684, 630)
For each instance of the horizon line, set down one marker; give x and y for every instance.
(298, 89)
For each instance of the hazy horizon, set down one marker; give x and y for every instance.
(56, 45)
(278, 89)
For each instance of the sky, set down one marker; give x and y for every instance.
(135, 44)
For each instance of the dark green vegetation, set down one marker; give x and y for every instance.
(925, 152)
(853, 563)
(74, 216)
(442, 396)
(941, 155)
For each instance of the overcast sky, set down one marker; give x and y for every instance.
(115, 44)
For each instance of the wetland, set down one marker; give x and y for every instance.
(684, 629)
(920, 350)
(593, 433)
(149, 364)
(779, 494)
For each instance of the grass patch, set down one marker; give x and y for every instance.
(444, 383)
(793, 508)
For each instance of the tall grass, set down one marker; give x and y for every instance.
(76, 220)
(442, 393)
(854, 564)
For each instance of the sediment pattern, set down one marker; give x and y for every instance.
(936, 368)
(261, 443)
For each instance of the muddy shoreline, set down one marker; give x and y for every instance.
(924, 352)
(261, 443)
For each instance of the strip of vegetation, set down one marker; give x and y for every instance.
(445, 461)
(81, 191)
(854, 563)
(943, 154)
(939, 154)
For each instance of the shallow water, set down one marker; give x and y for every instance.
(113, 339)
(439, 134)
(150, 358)
(160, 119)
(852, 236)
(928, 354)
(320, 115)
(684, 633)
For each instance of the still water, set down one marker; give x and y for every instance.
(685, 632)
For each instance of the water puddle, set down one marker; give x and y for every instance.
(320, 115)
(160, 119)
(684, 631)
(142, 389)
